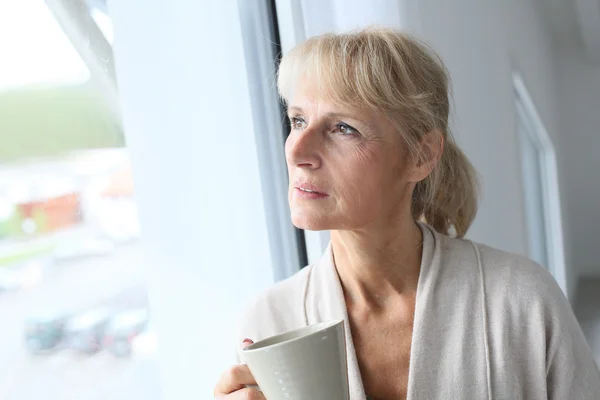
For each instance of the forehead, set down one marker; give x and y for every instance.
(306, 92)
(310, 97)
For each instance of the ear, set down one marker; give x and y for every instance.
(431, 149)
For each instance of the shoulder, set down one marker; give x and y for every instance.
(277, 309)
(517, 288)
(533, 331)
(518, 276)
(511, 281)
(501, 269)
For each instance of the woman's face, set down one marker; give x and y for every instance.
(348, 168)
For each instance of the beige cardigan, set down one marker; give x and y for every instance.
(488, 325)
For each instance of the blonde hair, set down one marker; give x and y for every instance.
(393, 72)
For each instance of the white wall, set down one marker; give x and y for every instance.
(483, 43)
(579, 83)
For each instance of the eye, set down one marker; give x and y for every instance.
(297, 123)
(345, 129)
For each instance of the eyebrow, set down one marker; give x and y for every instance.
(330, 115)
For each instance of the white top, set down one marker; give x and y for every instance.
(488, 325)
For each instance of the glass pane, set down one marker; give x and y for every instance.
(75, 322)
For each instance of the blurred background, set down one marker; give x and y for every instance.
(195, 121)
(73, 304)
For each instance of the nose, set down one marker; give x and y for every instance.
(303, 148)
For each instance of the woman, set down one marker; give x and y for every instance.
(431, 316)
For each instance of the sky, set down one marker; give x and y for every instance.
(34, 49)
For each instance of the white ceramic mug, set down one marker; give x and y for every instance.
(306, 363)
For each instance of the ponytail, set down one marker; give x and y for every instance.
(447, 199)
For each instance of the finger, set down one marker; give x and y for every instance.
(235, 378)
(247, 342)
(245, 394)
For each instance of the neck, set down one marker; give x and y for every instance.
(376, 266)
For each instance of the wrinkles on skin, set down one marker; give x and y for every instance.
(356, 170)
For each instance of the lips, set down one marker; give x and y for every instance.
(307, 187)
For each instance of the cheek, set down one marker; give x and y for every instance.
(372, 179)
(361, 175)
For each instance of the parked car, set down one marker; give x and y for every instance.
(123, 329)
(45, 332)
(86, 331)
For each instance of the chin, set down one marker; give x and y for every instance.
(310, 222)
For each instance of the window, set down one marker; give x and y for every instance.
(73, 303)
(75, 271)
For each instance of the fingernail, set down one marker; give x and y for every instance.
(249, 341)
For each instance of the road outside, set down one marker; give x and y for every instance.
(114, 280)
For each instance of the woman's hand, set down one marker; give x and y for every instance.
(232, 385)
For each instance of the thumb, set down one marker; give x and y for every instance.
(247, 342)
